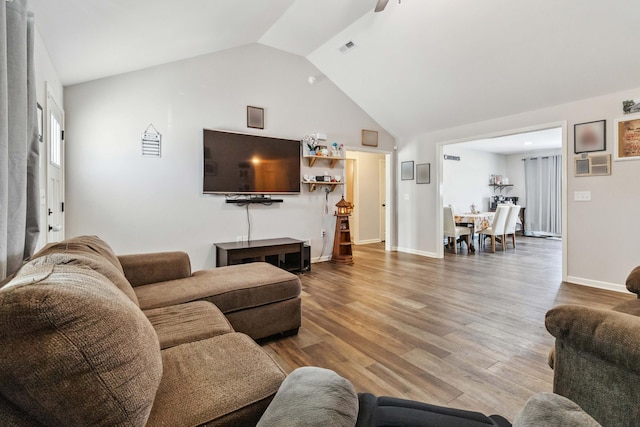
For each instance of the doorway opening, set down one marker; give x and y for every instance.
(367, 186)
(501, 168)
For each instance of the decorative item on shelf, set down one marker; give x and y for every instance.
(311, 142)
(336, 150)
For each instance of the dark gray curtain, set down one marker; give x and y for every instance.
(19, 146)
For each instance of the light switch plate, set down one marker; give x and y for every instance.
(582, 196)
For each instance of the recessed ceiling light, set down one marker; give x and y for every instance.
(528, 143)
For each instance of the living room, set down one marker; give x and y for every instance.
(143, 204)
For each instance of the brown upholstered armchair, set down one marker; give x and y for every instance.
(596, 359)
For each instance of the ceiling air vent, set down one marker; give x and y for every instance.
(347, 46)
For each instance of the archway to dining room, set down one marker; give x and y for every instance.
(525, 167)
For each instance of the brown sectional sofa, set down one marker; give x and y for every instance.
(89, 338)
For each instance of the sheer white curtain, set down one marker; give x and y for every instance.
(543, 185)
(18, 137)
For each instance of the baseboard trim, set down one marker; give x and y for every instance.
(597, 284)
(321, 259)
(417, 252)
(366, 242)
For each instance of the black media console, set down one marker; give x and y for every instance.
(288, 254)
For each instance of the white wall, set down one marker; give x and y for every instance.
(367, 196)
(46, 77)
(150, 204)
(598, 253)
(467, 181)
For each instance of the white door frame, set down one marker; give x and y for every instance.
(52, 107)
(391, 204)
(565, 163)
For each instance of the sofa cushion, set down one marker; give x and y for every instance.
(142, 269)
(95, 262)
(184, 323)
(82, 245)
(631, 306)
(548, 409)
(313, 397)
(228, 377)
(231, 288)
(74, 350)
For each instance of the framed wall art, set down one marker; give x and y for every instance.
(423, 173)
(406, 171)
(590, 137)
(626, 134)
(370, 138)
(255, 117)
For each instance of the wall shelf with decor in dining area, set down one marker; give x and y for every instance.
(500, 186)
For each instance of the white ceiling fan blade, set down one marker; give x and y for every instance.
(381, 5)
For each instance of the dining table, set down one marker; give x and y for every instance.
(476, 221)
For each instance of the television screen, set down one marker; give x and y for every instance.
(235, 163)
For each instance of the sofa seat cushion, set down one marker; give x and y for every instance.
(231, 288)
(74, 350)
(184, 323)
(227, 379)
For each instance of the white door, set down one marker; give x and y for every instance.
(55, 172)
(382, 174)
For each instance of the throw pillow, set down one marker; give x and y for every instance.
(312, 397)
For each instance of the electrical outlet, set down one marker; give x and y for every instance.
(323, 232)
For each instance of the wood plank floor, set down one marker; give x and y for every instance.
(466, 331)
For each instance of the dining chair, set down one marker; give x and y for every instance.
(497, 227)
(512, 220)
(453, 231)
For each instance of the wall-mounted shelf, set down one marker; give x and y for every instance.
(332, 160)
(500, 186)
(312, 185)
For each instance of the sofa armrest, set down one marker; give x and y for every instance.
(633, 281)
(606, 334)
(142, 269)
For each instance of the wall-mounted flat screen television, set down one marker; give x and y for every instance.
(236, 163)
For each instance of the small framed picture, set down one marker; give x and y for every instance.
(370, 138)
(406, 171)
(626, 134)
(423, 173)
(255, 117)
(589, 137)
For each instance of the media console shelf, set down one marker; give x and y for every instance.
(332, 160)
(286, 253)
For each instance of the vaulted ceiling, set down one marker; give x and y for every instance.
(420, 65)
